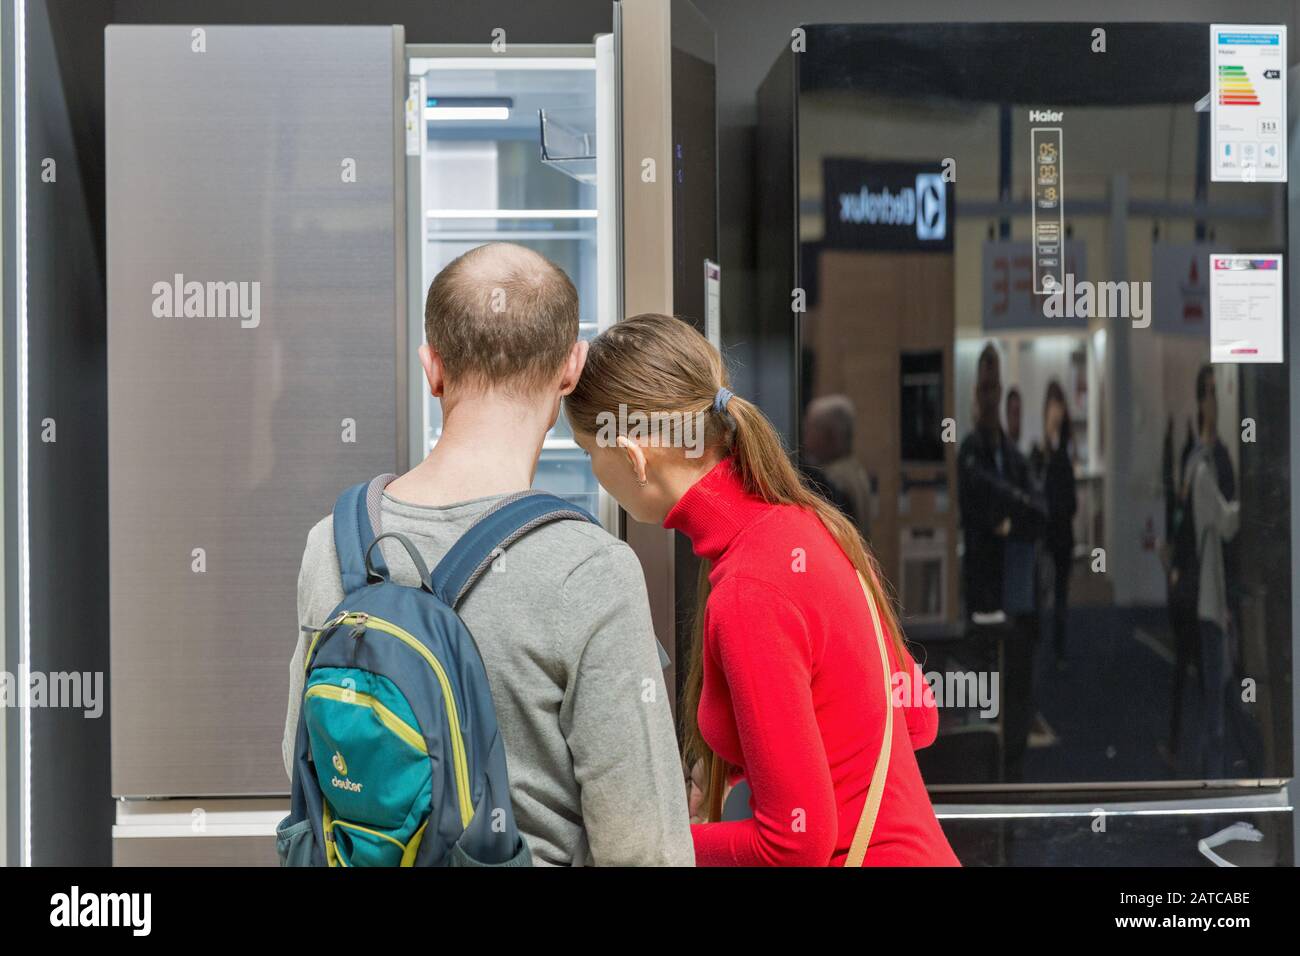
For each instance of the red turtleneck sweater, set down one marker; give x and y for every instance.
(793, 693)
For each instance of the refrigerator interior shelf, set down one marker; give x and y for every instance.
(510, 213)
(514, 235)
(568, 141)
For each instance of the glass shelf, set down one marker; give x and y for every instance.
(568, 141)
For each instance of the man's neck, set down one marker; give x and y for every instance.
(489, 446)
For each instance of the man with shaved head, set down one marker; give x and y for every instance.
(564, 626)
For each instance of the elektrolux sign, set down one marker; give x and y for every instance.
(902, 206)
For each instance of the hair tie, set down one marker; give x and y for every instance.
(720, 400)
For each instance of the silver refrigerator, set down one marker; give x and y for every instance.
(279, 198)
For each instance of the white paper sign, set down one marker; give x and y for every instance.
(713, 303)
(1248, 103)
(1180, 287)
(1245, 309)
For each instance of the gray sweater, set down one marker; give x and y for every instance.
(563, 624)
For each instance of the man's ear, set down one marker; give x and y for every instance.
(573, 366)
(635, 457)
(432, 364)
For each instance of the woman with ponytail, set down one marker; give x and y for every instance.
(786, 685)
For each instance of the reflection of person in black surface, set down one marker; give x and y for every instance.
(997, 507)
(994, 494)
(1206, 392)
(1013, 415)
(1182, 606)
(816, 479)
(1215, 520)
(1193, 621)
(1052, 465)
(828, 449)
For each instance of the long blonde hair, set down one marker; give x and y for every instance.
(658, 364)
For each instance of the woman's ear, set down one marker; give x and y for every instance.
(635, 457)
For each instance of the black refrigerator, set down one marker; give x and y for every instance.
(1025, 238)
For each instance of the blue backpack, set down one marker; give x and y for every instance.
(398, 760)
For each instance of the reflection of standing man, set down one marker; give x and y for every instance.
(1000, 521)
(828, 443)
(1227, 483)
(1013, 415)
(1215, 521)
(993, 494)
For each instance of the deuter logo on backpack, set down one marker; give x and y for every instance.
(341, 767)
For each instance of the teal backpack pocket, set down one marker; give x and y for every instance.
(294, 842)
(458, 857)
(372, 765)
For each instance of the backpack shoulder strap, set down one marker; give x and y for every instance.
(501, 527)
(356, 522)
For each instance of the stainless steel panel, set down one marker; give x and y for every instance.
(643, 48)
(665, 237)
(228, 165)
(195, 851)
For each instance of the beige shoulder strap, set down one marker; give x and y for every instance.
(862, 836)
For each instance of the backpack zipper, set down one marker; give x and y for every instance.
(396, 725)
(315, 633)
(317, 628)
